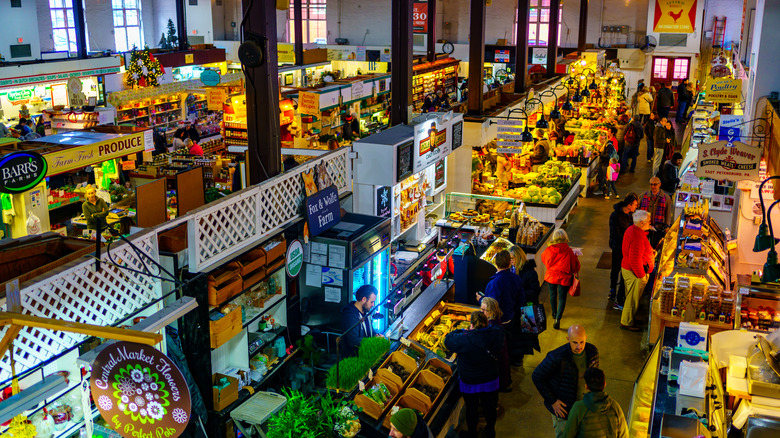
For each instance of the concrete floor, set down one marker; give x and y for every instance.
(622, 353)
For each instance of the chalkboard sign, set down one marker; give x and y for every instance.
(457, 135)
(383, 201)
(405, 161)
(323, 210)
(439, 174)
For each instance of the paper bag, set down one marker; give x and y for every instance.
(692, 378)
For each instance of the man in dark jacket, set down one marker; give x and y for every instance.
(560, 377)
(632, 134)
(619, 221)
(669, 177)
(684, 98)
(665, 100)
(365, 297)
(408, 424)
(597, 415)
(649, 129)
(660, 141)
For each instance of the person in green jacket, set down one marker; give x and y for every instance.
(597, 415)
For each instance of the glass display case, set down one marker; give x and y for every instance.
(758, 307)
(693, 281)
(478, 210)
(640, 411)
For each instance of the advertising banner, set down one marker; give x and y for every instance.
(420, 17)
(723, 90)
(729, 161)
(674, 16)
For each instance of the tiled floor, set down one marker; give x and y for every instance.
(622, 353)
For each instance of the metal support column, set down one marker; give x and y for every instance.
(552, 44)
(263, 155)
(298, 25)
(401, 67)
(583, 29)
(476, 57)
(81, 28)
(432, 30)
(181, 24)
(521, 57)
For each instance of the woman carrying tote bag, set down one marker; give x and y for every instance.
(562, 268)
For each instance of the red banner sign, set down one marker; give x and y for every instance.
(420, 18)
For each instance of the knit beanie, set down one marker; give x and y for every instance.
(405, 420)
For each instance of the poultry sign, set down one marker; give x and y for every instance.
(674, 16)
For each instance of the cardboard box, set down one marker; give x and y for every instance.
(224, 397)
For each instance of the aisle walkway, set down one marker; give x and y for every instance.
(622, 353)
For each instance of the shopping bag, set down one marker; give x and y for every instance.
(533, 319)
(574, 289)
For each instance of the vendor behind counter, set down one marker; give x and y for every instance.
(353, 329)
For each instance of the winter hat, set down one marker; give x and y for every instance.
(405, 421)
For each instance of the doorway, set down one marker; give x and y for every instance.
(670, 71)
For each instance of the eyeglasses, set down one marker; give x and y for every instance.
(654, 184)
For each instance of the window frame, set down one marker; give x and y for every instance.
(683, 73)
(535, 25)
(320, 22)
(69, 27)
(122, 30)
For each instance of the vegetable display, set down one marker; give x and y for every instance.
(372, 349)
(352, 369)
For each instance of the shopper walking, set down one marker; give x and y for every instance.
(669, 174)
(684, 97)
(489, 306)
(649, 128)
(619, 221)
(659, 205)
(644, 104)
(606, 153)
(664, 100)
(597, 415)
(562, 266)
(559, 378)
(524, 343)
(632, 134)
(613, 171)
(638, 263)
(478, 352)
(661, 141)
(406, 423)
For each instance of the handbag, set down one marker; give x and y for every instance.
(533, 319)
(574, 289)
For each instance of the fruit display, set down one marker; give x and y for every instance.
(449, 317)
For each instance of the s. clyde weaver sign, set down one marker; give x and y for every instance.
(731, 161)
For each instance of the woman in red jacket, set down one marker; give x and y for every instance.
(562, 265)
(638, 263)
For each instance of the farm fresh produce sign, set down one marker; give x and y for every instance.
(674, 16)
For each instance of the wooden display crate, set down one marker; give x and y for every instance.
(407, 401)
(419, 350)
(405, 361)
(225, 328)
(438, 363)
(372, 408)
(252, 260)
(224, 283)
(251, 279)
(273, 252)
(426, 377)
(224, 397)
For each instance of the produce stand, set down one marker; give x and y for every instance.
(693, 277)
(589, 174)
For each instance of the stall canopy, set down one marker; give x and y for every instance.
(76, 149)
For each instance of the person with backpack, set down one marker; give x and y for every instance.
(613, 171)
(597, 415)
(607, 152)
(632, 134)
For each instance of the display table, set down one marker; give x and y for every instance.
(558, 214)
(588, 175)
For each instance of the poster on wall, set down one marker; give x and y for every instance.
(539, 56)
(420, 17)
(674, 16)
(432, 141)
(729, 161)
(723, 90)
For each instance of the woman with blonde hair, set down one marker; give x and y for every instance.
(524, 343)
(562, 266)
(489, 306)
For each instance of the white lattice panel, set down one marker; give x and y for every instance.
(227, 227)
(78, 293)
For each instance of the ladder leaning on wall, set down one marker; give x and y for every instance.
(719, 32)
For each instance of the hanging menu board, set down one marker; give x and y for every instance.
(508, 136)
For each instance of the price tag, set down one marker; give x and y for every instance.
(361, 386)
(370, 374)
(744, 291)
(405, 342)
(451, 358)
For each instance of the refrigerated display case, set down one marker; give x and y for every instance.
(352, 253)
(758, 306)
